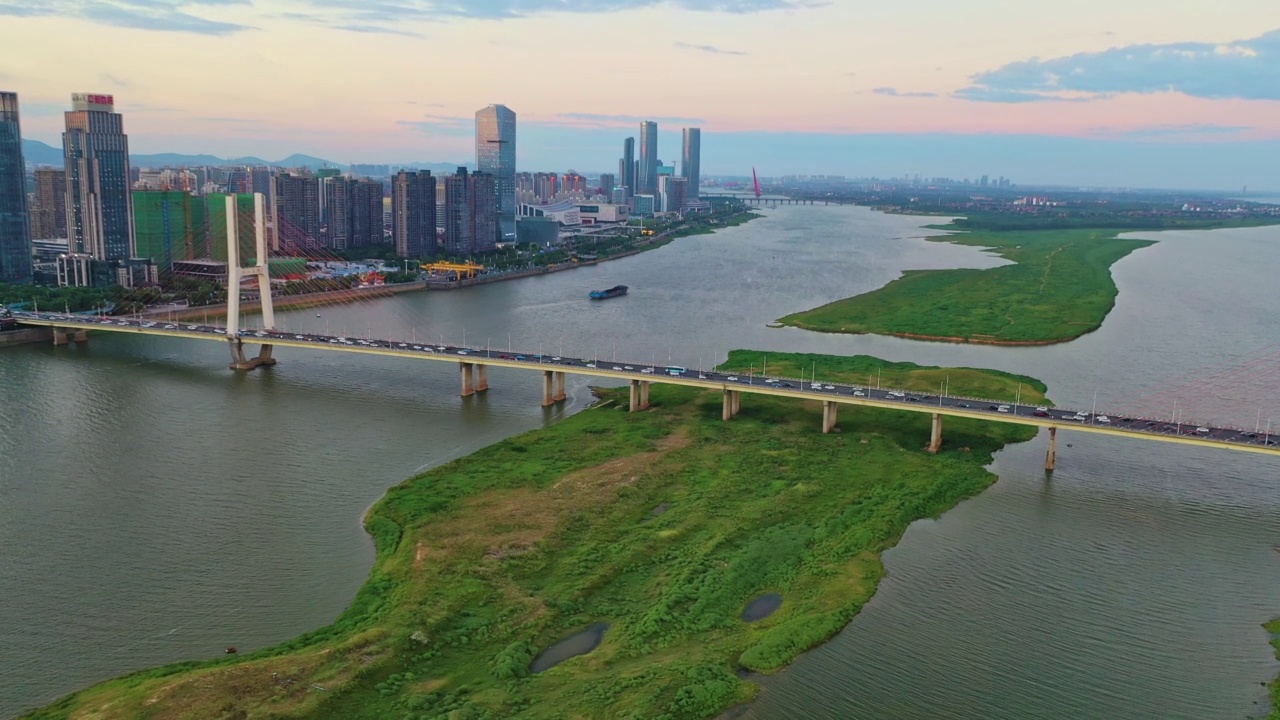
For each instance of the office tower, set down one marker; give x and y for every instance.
(627, 165)
(484, 212)
(496, 155)
(672, 191)
(335, 211)
(606, 185)
(260, 180)
(647, 170)
(457, 214)
(413, 213)
(366, 213)
(691, 161)
(169, 225)
(296, 211)
(96, 157)
(49, 209)
(15, 234)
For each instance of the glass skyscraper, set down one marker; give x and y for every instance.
(496, 155)
(96, 156)
(690, 160)
(15, 235)
(627, 166)
(647, 172)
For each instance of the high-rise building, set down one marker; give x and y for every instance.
(296, 211)
(49, 209)
(457, 214)
(484, 212)
(335, 211)
(627, 165)
(413, 213)
(672, 191)
(366, 213)
(606, 185)
(572, 182)
(260, 180)
(15, 234)
(647, 170)
(690, 165)
(169, 225)
(96, 157)
(496, 155)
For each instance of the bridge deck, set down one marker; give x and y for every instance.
(949, 405)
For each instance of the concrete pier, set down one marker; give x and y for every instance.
(468, 379)
(482, 377)
(1051, 457)
(731, 404)
(560, 394)
(828, 416)
(548, 378)
(66, 336)
(644, 394)
(240, 362)
(935, 437)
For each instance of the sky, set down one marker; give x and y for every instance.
(1147, 93)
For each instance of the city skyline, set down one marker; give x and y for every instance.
(1103, 81)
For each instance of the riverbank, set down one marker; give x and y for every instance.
(1273, 627)
(664, 524)
(1057, 287)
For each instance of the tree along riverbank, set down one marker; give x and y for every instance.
(1057, 288)
(664, 524)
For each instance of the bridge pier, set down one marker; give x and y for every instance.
(935, 436)
(240, 362)
(548, 397)
(731, 403)
(560, 394)
(1051, 457)
(482, 377)
(468, 379)
(64, 336)
(828, 416)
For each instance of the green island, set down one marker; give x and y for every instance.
(1057, 287)
(663, 524)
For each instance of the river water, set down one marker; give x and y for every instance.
(156, 507)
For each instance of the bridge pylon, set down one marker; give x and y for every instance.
(235, 274)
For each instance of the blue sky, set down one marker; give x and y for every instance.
(1109, 92)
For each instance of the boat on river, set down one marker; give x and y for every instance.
(615, 291)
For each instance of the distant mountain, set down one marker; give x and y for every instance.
(38, 153)
(35, 152)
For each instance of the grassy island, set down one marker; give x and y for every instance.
(661, 524)
(1057, 288)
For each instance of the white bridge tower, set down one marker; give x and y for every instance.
(235, 274)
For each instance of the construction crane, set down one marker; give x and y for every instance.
(467, 269)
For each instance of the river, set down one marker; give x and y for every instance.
(156, 507)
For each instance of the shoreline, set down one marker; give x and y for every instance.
(1048, 304)
(595, 458)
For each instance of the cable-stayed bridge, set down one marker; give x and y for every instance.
(474, 362)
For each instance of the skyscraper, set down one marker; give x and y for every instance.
(671, 193)
(647, 171)
(296, 211)
(48, 209)
(413, 213)
(606, 185)
(168, 225)
(484, 212)
(366, 213)
(96, 157)
(627, 166)
(15, 235)
(496, 155)
(457, 214)
(335, 201)
(690, 161)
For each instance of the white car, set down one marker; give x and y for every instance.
(627, 367)
(816, 386)
(1103, 419)
(732, 378)
(828, 387)
(1003, 409)
(591, 365)
(647, 371)
(859, 393)
(298, 337)
(615, 367)
(702, 377)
